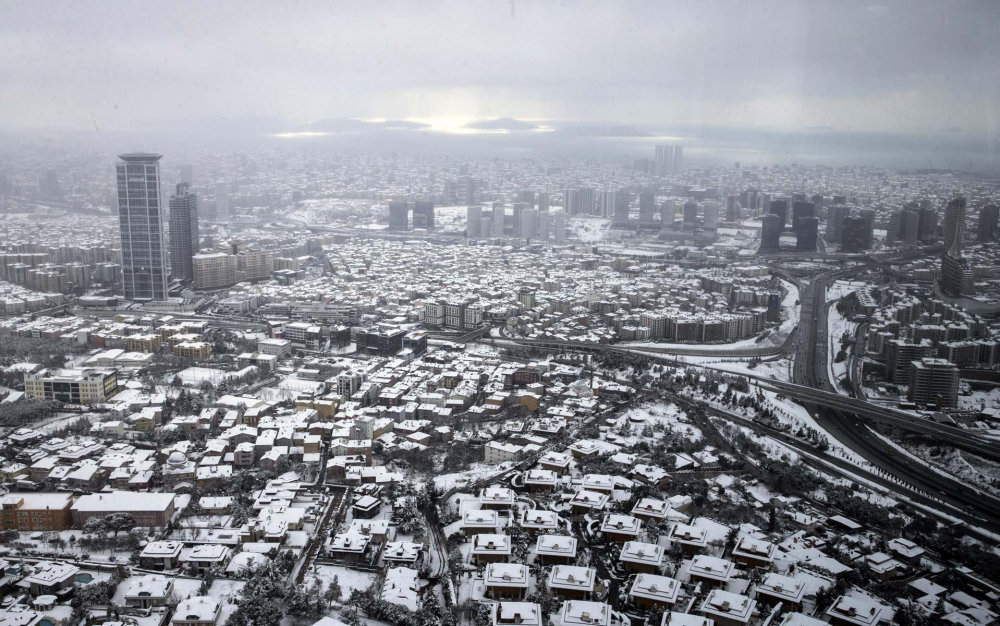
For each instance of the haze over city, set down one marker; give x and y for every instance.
(499, 314)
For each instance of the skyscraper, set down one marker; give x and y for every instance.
(956, 275)
(499, 219)
(140, 220)
(800, 209)
(184, 241)
(854, 234)
(989, 215)
(647, 207)
(779, 207)
(712, 215)
(954, 225)
(222, 202)
(668, 160)
(927, 225)
(559, 227)
(399, 216)
(668, 211)
(805, 233)
(423, 214)
(474, 221)
(770, 232)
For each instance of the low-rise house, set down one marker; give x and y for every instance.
(601, 483)
(349, 547)
(675, 618)
(728, 609)
(516, 614)
(506, 581)
(479, 521)
(205, 556)
(655, 591)
(884, 566)
(582, 613)
(51, 578)
(692, 539)
(197, 611)
(776, 588)
(161, 555)
(555, 549)
(650, 475)
(638, 556)
(539, 521)
(497, 498)
(572, 582)
(650, 510)
(490, 548)
(584, 502)
(854, 611)
(557, 462)
(366, 507)
(620, 527)
(149, 591)
(709, 570)
(540, 480)
(753, 552)
(402, 553)
(906, 551)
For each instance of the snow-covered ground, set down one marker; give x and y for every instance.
(587, 229)
(349, 579)
(841, 288)
(836, 327)
(461, 479)
(778, 369)
(669, 415)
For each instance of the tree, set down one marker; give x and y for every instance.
(94, 526)
(334, 593)
(411, 520)
(119, 521)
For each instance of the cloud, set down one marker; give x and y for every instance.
(886, 66)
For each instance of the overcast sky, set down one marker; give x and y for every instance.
(905, 66)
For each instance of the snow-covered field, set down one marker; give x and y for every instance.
(777, 369)
(669, 415)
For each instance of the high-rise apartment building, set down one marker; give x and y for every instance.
(854, 234)
(933, 382)
(184, 240)
(779, 207)
(770, 232)
(559, 227)
(647, 207)
(668, 211)
(222, 202)
(399, 216)
(423, 214)
(140, 221)
(927, 225)
(499, 218)
(668, 160)
(474, 221)
(835, 222)
(805, 233)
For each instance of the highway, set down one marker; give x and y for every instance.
(847, 427)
